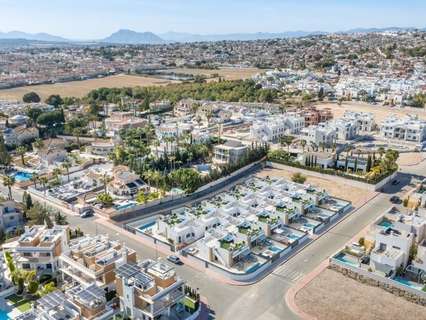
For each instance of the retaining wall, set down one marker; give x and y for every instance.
(374, 280)
(354, 183)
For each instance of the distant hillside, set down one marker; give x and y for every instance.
(189, 37)
(132, 37)
(31, 36)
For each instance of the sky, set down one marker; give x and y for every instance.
(93, 19)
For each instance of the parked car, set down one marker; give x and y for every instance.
(395, 199)
(87, 213)
(175, 260)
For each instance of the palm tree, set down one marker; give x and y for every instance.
(56, 173)
(286, 140)
(38, 143)
(9, 182)
(105, 180)
(381, 151)
(44, 180)
(21, 150)
(35, 178)
(77, 133)
(303, 144)
(67, 165)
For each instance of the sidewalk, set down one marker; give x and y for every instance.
(290, 296)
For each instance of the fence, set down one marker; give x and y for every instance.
(385, 282)
(168, 204)
(337, 178)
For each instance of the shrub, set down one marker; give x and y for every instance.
(33, 287)
(361, 241)
(298, 178)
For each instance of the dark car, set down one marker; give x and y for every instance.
(395, 199)
(175, 260)
(87, 213)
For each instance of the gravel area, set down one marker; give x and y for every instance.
(339, 190)
(332, 296)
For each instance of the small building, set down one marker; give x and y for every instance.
(231, 152)
(10, 216)
(125, 183)
(149, 290)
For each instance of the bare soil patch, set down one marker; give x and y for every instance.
(380, 112)
(339, 190)
(81, 88)
(332, 296)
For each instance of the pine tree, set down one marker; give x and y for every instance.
(4, 154)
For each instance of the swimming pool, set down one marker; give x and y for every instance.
(309, 225)
(3, 315)
(343, 258)
(275, 249)
(292, 236)
(146, 226)
(124, 206)
(21, 176)
(386, 224)
(408, 283)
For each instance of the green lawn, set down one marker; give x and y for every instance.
(23, 305)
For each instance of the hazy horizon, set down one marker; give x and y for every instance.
(97, 19)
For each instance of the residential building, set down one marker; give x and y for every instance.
(122, 120)
(149, 290)
(231, 152)
(101, 148)
(125, 183)
(314, 116)
(94, 260)
(407, 129)
(19, 135)
(77, 303)
(52, 151)
(39, 248)
(365, 120)
(10, 216)
(321, 134)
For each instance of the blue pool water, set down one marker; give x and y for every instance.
(254, 267)
(386, 224)
(275, 249)
(21, 176)
(146, 226)
(124, 206)
(3, 315)
(409, 283)
(309, 225)
(292, 236)
(342, 257)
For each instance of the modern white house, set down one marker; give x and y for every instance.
(270, 129)
(148, 290)
(39, 248)
(407, 129)
(10, 216)
(231, 152)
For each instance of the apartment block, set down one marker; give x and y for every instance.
(39, 248)
(230, 152)
(94, 260)
(149, 290)
(407, 129)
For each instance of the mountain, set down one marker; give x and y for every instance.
(125, 36)
(189, 37)
(32, 36)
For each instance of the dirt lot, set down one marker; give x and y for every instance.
(357, 195)
(410, 158)
(227, 73)
(332, 296)
(380, 112)
(81, 88)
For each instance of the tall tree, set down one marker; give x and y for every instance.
(9, 182)
(21, 151)
(4, 154)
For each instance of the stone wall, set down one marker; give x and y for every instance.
(369, 280)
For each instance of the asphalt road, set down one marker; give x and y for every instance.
(265, 299)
